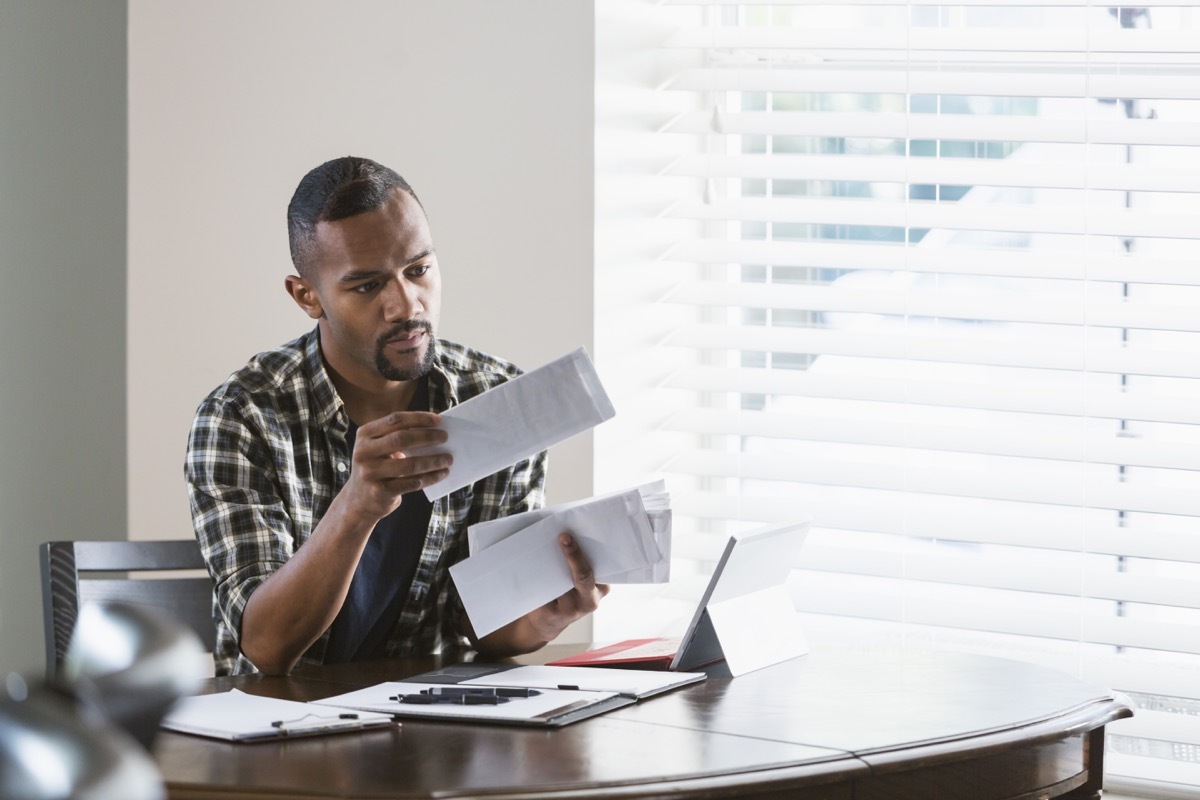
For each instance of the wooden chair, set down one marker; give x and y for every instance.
(74, 573)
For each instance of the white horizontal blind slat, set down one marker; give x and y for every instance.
(948, 394)
(1078, 355)
(1063, 220)
(1054, 4)
(985, 440)
(979, 610)
(976, 567)
(1018, 264)
(915, 43)
(966, 171)
(1143, 676)
(1162, 725)
(1007, 524)
(1070, 491)
(1169, 83)
(937, 304)
(886, 125)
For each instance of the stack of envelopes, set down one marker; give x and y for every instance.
(516, 563)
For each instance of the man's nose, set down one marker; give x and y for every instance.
(401, 301)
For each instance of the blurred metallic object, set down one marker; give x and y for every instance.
(87, 735)
(132, 663)
(53, 747)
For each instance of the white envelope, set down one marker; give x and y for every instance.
(518, 565)
(660, 570)
(599, 520)
(520, 418)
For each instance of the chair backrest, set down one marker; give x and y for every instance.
(74, 573)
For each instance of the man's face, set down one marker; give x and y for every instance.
(378, 289)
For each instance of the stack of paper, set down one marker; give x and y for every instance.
(547, 696)
(516, 563)
(549, 707)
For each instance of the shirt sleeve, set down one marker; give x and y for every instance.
(237, 507)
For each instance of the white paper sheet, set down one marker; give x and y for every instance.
(237, 716)
(518, 565)
(520, 418)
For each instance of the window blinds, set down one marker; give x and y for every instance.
(928, 273)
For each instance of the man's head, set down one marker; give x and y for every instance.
(335, 190)
(367, 271)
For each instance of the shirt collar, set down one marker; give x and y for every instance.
(443, 392)
(327, 404)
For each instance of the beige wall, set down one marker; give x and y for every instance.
(485, 107)
(62, 295)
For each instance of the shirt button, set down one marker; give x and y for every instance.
(341, 467)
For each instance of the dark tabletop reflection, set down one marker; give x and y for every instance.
(806, 722)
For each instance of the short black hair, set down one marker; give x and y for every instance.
(335, 190)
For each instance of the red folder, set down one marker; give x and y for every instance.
(656, 653)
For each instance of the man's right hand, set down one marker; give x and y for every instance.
(384, 470)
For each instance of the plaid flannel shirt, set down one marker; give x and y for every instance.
(266, 456)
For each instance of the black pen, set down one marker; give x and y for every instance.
(456, 699)
(460, 691)
(484, 691)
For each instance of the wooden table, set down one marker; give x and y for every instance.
(838, 723)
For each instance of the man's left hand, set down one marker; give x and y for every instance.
(542, 625)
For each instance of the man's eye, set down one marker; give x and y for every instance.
(364, 288)
(418, 270)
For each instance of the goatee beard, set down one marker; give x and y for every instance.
(389, 370)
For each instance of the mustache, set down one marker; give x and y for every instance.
(400, 330)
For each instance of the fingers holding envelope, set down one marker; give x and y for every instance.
(586, 595)
(583, 598)
(390, 459)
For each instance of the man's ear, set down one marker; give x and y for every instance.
(304, 295)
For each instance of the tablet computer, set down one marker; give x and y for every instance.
(746, 602)
(745, 615)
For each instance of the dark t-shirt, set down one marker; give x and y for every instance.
(384, 572)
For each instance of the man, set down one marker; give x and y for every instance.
(306, 504)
